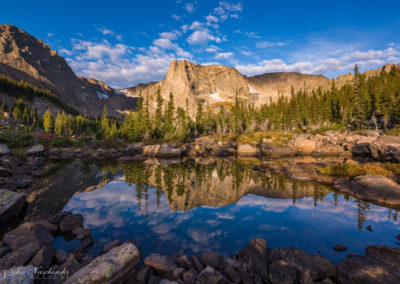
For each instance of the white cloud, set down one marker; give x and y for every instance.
(118, 66)
(327, 65)
(190, 7)
(106, 31)
(266, 44)
(212, 49)
(252, 35)
(247, 53)
(164, 43)
(50, 34)
(176, 17)
(224, 55)
(168, 35)
(226, 10)
(202, 37)
(196, 25)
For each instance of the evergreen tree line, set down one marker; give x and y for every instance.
(25, 90)
(364, 103)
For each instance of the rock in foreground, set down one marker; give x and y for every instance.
(11, 204)
(110, 267)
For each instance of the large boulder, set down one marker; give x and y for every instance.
(11, 204)
(161, 263)
(19, 257)
(379, 265)
(247, 150)
(34, 150)
(167, 151)
(5, 172)
(362, 147)
(256, 255)
(111, 267)
(151, 150)
(272, 151)
(223, 149)
(373, 188)
(4, 150)
(135, 148)
(386, 148)
(299, 265)
(205, 141)
(304, 146)
(27, 273)
(71, 222)
(28, 233)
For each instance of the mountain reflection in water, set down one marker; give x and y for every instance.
(191, 207)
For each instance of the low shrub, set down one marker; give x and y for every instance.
(61, 142)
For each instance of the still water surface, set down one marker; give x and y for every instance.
(191, 208)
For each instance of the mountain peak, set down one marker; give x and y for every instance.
(23, 57)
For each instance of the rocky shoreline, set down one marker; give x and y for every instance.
(28, 247)
(26, 240)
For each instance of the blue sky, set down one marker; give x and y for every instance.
(128, 42)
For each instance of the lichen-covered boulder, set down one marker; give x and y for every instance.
(28, 233)
(11, 204)
(111, 267)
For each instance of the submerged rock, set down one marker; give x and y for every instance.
(110, 267)
(374, 188)
(11, 204)
(339, 248)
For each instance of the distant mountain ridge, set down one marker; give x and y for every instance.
(23, 57)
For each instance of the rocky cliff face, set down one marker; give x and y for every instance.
(217, 85)
(23, 57)
(192, 84)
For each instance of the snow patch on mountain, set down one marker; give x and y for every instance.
(216, 97)
(102, 96)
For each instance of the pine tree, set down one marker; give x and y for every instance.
(48, 121)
